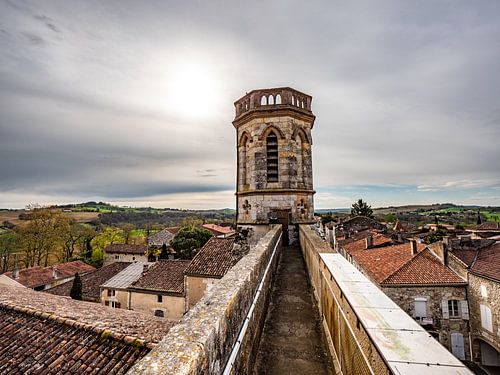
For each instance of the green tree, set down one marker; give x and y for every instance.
(8, 244)
(361, 208)
(108, 236)
(189, 240)
(43, 234)
(76, 289)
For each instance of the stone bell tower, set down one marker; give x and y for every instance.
(274, 178)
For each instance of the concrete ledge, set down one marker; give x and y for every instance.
(201, 343)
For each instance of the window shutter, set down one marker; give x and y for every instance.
(444, 308)
(464, 307)
(106, 303)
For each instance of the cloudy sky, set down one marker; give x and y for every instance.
(131, 102)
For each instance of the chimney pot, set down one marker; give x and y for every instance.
(54, 272)
(413, 245)
(368, 242)
(145, 267)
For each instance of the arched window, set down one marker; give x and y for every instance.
(159, 313)
(278, 99)
(272, 157)
(302, 104)
(263, 100)
(293, 100)
(271, 100)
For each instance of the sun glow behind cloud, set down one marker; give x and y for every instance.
(192, 89)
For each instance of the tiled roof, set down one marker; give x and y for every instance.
(214, 259)
(126, 277)
(44, 333)
(217, 229)
(488, 262)
(488, 226)
(36, 276)
(91, 282)
(423, 268)
(120, 248)
(164, 276)
(120, 321)
(358, 241)
(161, 238)
(39, 344)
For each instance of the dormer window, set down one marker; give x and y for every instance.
(272, 157)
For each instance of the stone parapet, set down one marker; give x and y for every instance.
(202, 342)
(368, 333)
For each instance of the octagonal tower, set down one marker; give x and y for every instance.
(274, 167)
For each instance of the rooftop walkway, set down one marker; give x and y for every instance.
(292, 342)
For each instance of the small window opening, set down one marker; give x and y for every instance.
(263, 100)
(271, 100)
(278, 99)
(159, 298)
(159, 313)
(272, 157)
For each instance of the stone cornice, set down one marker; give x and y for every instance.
(275, 191)
(279, 110)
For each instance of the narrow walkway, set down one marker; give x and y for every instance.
(292, 342)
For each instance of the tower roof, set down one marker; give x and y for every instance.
(278, 100)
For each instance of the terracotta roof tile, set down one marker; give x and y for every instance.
(423, 268)
(36, 344)
(91, 282)
(214, 259)
(164, 276)
(488, 262)
(96, 316)
(217, 229)
(37, 276)
(119, 248)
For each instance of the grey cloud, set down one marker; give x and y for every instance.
(403, 92)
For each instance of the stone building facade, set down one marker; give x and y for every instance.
(430, 305)
(274, 165)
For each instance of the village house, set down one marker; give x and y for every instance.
(115, 292)
(91, 282)
(416, 279)
(42, 278)
(127, 253)
(160, 290)
(479, 261)
(219, 231)
(209, 265)
(168, 288)
(163, 237)
(485, 230)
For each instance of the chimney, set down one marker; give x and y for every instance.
(15, 273)
(145, 267)
(368, 242)
(54, 272)
(413, 245)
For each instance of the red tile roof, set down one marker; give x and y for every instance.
(120, 248)
(386, 263)
(487, 262)
(217, 229)
(91, 282)
(164, 276)
(46, 333)
(214, 259)
(37, 276)
(424, 268)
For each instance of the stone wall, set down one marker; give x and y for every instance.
(196, 287)
(173, 306)
(442, 328)
(111, 258)
(202, 342)
(489, 296)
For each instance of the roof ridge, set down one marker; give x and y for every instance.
(104, 333)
